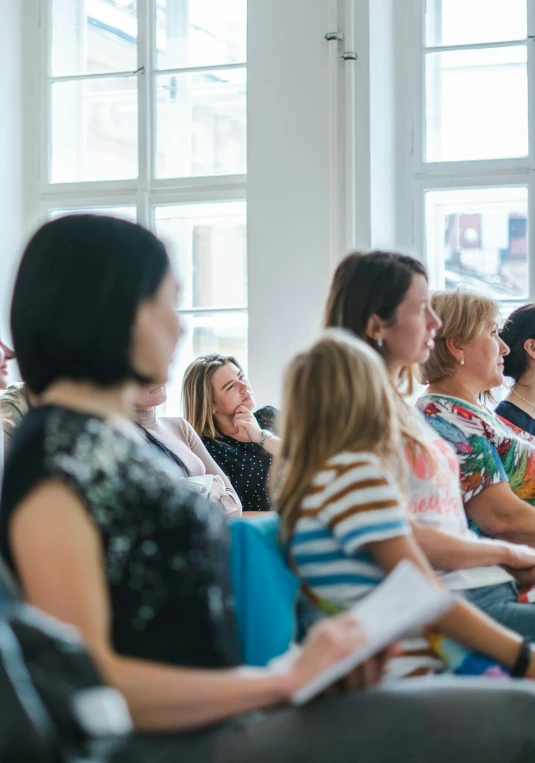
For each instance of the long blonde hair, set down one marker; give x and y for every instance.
(337, 397)
(198, 392)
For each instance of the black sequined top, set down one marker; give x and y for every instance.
(246, 464)
(165, 548)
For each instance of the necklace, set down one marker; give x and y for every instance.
(522, 398)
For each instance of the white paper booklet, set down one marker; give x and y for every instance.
(403, 602)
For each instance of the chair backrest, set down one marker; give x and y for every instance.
(9, 590)
(26, 730)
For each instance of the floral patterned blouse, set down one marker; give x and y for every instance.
(490, 450)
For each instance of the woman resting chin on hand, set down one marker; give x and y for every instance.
(219, 404)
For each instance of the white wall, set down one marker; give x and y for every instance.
(288, 183)
(11, 149)
(295, 173)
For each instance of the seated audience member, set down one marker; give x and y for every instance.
(518, 333)
(340, 495)
(219, 404)
(99, 535)
(497, 465)
(181, 440)
(383, 298)
(97, 532)
(15, 402)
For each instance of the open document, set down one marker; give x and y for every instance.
(402, 603)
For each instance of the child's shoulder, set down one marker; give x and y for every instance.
(347, 464)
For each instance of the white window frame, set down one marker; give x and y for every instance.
(454, 175)
(146, 192)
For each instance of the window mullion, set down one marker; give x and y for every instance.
(531, 142)
(144, 95)
(45, 96)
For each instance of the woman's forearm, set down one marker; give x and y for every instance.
(231, 503)
(273, 445)
(161, 697)
(502, 514)
(464, 622)
(449, 552)
(480, 633)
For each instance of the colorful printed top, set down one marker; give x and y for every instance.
(490, 450)
(435, 500)
(352, 502)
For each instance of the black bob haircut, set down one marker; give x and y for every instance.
(519, 327)
(80, 283)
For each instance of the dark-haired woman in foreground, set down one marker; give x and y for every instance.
(99, 536)
(518, 333)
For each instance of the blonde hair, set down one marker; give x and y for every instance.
(198, 392)
(463, 316)
(337, 398)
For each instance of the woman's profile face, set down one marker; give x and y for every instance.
(410, 338)
(156, 332)
(231, 390)
(483, 366)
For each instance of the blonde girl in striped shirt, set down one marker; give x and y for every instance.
(340, 489)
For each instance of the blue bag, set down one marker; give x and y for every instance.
(265, 590)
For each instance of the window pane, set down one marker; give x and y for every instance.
(94, 130)
(201, 32)
(477, 104)
(125, 213)
(201, 126)
(91, 36)
(477, 240)
(224, 333)
(465, 22)
(208, 246)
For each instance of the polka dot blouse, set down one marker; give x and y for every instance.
(246, 464)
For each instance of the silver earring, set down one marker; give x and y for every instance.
(461, 361)
(380, 342)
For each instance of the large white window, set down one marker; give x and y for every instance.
(472, 144)
(144, 117)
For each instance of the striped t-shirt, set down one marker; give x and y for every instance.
(352, 502)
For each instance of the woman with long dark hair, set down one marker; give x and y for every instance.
(518, 333)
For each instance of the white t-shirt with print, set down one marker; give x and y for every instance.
(434, 499)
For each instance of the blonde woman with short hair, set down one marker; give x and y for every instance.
(340, 491)
(497, 462)
(219, 404)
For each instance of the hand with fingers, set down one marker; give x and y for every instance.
(246, 426)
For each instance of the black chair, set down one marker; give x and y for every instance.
(26, 730)
(54, 706)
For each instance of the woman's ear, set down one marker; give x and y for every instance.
(455, 350)
(374, 328)
(529, 347)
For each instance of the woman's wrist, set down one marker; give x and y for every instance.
(530, 672)
(503, 553)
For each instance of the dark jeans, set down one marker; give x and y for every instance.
(500, 602)
(436, 720)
